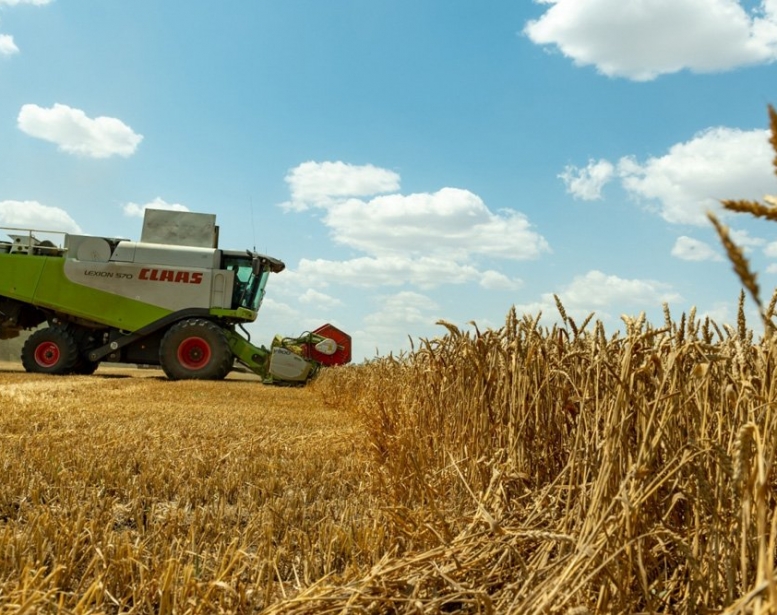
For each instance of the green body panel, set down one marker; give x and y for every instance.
(19, 275)
(41, 281)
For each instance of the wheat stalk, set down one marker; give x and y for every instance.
(738, 260)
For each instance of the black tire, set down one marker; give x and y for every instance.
(85, 341)
(85, 367)
(195, 349)
(50, 351)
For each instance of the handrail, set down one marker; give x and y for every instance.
(33, 245)
(31, 230)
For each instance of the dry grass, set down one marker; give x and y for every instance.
(144, 495)
(537, 470)
(523, 470)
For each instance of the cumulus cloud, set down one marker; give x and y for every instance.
(719, 163)
(75, 133)
(596, 292)
(493, 280)
(370, 272)
(451, 222)
(587, 183)
(642, 40)
(322, 300)
(770, 250)
(315, 184)
(18, 2)
(34, 215)
(404, 307)
(424, 239)
(689, 249)
(744, 240)
(7, 46)
(401, 316)
(692, 177)
(135, 210)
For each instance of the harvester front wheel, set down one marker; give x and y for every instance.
(195, 349)
(50, 351)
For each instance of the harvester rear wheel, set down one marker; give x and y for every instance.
(195, 349)
(50, 351)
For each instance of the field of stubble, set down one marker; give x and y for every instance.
(124, 492)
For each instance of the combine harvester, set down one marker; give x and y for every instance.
(172, 299)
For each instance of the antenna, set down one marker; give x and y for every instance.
(253, 228)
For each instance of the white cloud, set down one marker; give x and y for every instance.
(405, 307)
(7, 46)
(719, 163)
(366, 272)
(18, 2)
(719, 313)
(450, 222)
(137, 211)
(770, 250)
(598, 292)
(744, 240)
(422, 239)
(34, 215)
(493, 280)
(321, 300)
(75, 133)
(642, 40)
(689, 249)
(401, 316)
(314, 184)
(693, 177)
(587, 183)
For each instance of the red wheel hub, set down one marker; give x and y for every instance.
(47, 354)
(194, 353)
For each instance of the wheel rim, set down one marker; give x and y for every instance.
(194, 353)
(47, 354)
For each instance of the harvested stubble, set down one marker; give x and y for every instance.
(140, 495)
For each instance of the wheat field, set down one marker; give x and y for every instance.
(561, 470)
(527, 469)
(518, 470)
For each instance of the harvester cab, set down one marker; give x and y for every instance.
(173, 299)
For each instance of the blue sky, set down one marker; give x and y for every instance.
(409, 161)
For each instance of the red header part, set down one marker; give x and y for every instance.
(343, 341)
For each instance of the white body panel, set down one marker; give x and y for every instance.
(160, 254)
(285, 365)
(173, 288)
(169, 276)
